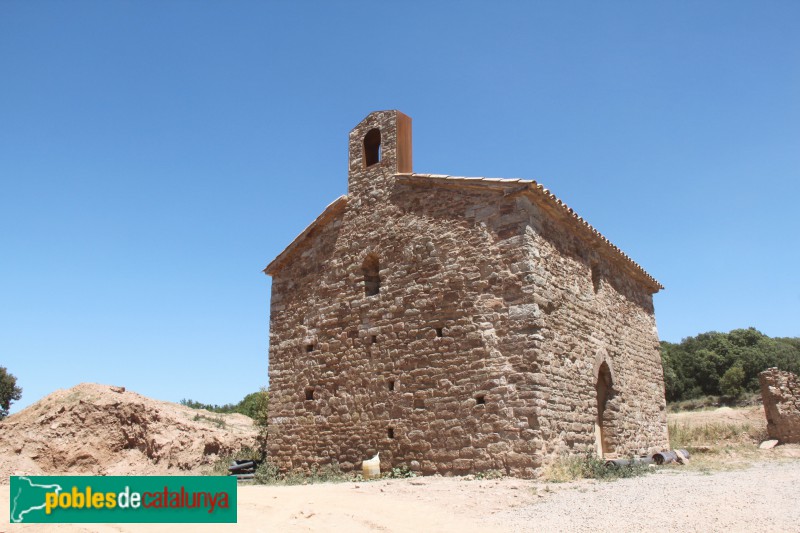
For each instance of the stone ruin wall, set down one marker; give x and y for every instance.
(780, 392)
(508, 385)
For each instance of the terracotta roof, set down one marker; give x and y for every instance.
(514, 186)
(333, 208)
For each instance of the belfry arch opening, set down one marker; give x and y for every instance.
(372, 278)
(372, 147)
(603, 386)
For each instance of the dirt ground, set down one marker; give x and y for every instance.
(759, 497)
(105, 430)
(734, 487)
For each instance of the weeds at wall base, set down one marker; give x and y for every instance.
(589, 466)
(267, 473)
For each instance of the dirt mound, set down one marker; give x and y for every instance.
(104, 430)
(753, 416)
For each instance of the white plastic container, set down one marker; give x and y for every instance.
(371, 468)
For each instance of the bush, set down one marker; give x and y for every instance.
(696, 404)
(400, 472)
(216, 420)
(489, 474)
(732, 382)
(589, 466)
(268, 474)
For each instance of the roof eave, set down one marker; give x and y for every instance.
(327, 214)
(535, 189)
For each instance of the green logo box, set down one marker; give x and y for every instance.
(123, 499)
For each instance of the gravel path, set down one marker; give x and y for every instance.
(763, 497)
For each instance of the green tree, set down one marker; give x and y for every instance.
(697, 365)
(9, 392)
(732, 381)
(254, 405)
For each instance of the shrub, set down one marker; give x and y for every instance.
(489, 474)
(400, 472)
(589, 466)
(268, 474)
(216, 420)
(731, 383)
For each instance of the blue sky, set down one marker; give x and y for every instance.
(155, 156)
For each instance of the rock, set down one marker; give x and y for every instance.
(768, 444)
(780, 392)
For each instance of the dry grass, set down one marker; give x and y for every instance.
(713, 434)
(588, 466)
(718, 445)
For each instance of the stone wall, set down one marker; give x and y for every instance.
(494, 321)
(780, 392)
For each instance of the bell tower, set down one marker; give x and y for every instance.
(380, 147)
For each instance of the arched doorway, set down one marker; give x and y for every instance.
(603, 388)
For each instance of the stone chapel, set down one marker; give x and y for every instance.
(456, 325)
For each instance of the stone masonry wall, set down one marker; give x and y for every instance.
(482, 348)
(592, 313)
(780, 392)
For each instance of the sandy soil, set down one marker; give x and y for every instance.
(759, 497)
(105, 430)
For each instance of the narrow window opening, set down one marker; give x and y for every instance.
(391, 384)
(374, 339)
(596, 278)
(309, 348)
(372, 279)
(480, 399)
(419, 403)
(390, 433)
(372, 147)
(439, 332)
(309, 393)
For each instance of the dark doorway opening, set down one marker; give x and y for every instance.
(604, 392)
